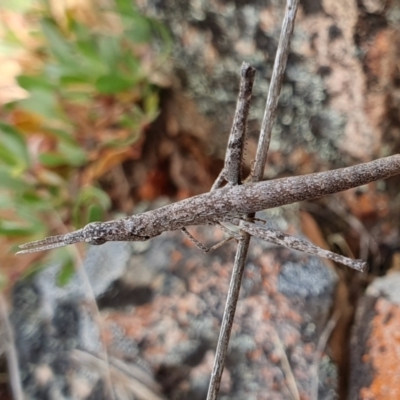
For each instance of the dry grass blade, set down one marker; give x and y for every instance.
(8, 346)
(322, 342)
(130, 378)
(286, 368)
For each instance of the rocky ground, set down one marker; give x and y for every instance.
(141, 320)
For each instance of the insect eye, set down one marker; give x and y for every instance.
(95, 241)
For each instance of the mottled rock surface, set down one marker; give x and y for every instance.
(375, 342)
(160, 312)
(340, 85)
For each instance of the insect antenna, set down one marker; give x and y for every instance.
(50, 242)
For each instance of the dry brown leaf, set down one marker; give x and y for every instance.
(109, 158)
(26, 121)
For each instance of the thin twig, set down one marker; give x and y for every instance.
(227, 320)
(321, 345)
(233, 161)
(262, 150)
(108, 384)
(8, 344)
(94, 309)
(286, 368)
(278, 72)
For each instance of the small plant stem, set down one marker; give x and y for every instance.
(262, 150)
(229, 315)
(274, 90)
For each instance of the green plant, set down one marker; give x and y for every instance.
(88, 102)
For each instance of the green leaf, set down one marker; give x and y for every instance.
(52, 180)
(52, 159)
(87, 198)
(73, 57)
(64, 136)
(43, 102)
(6, 157)
(66, 273)
(13, 149)
(9, 181)
(32, 198)
(82, 32)
(112, 83)
(88, 49)
(109, 48)
(125, 7)
(67, 154)
(140, 30)
(75, 155)
(58, 45)
(6, 201)
(74, 79)
(132, 67)
(95, 213)
(12, 228)
(30, 82)
(90, 195)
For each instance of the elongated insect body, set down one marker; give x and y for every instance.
(233, 200)
(224, 204)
